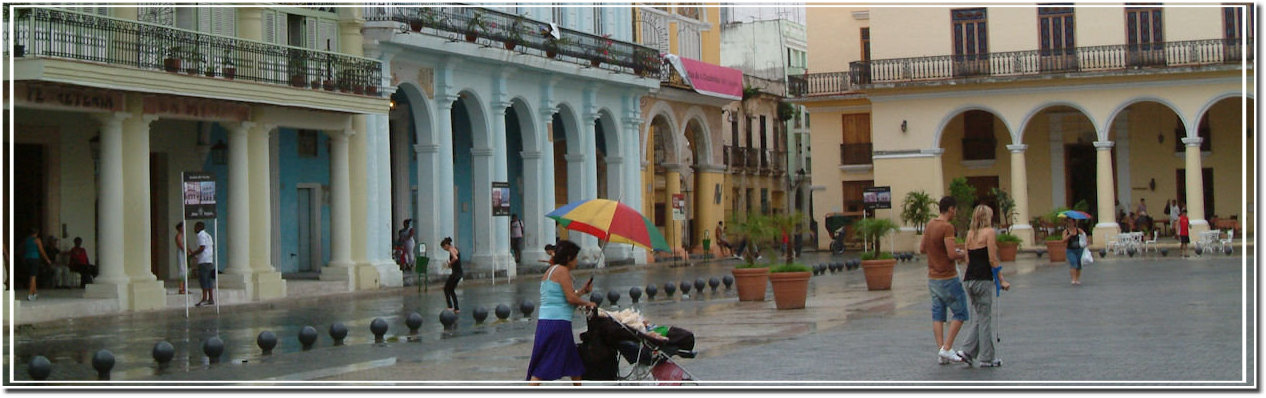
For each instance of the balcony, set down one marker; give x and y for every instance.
(856, 154)
(1036, 63)
(735, 158)
(777, 161)
(523, 35)
(52, 33)
(976, 148)
(813, 84)
(754, 158)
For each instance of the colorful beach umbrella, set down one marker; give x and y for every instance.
(610, 221)
(1074, 214)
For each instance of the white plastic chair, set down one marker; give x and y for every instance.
(1152, 242)
(1117, 244)
(1225, 243)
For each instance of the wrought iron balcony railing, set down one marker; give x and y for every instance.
(1038, 62)
(517, 33)
(820, 84)
(735, 158)
(856, 154)
(979, 148)
(778, 161)
(753, 158)
(53, 33)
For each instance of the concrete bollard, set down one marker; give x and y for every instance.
(39, 368)
(413, 322)
(103, 361)
(307, 336)
(699, 284)
(480, 314)
(163, 352)
(526, 307)
(596, 298)
(651, 289)
(728, 280)
(613, 297)
(266, 341)
(714, 282)
(669, 289)
(635, 293)
(213, 347)
(502, 311)
(448, 318)
(378, 327)
(338, 332)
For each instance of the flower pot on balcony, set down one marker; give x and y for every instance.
(298, 81)
(172, 65)
(595, 62)
(371, 90)
(510, 45)
(790, 289)
(1056, 249)
(193, 70)
(328, 85)
(210, 72)
(1007, 251)
(878, 273)
(19, 50)
(470, 36)
(316, 85)
(229, 72)
(750, 283)
(551, 53)
(358, 89)
(415, 26)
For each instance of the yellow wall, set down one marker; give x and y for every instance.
(952, 159)
(892, 35)
(834, 38)
(710, 39)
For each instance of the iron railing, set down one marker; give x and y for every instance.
(778, 161)
(820, 84)
(979, 148)
(53, 33)
(735, 157)
(1037, 62)
(517, 33)
(753, 158)
(856, 154)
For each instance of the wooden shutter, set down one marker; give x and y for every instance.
(186, 18)
(310, 33)
(205, 19)
(269, 18)
(224, 21)
(327, 32)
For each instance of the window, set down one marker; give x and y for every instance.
(1057, 38)
(1144, 27)
(971, 42)
(865, 44)
(978, 140)
(855, 146)
(690, 12)
(1235, 28)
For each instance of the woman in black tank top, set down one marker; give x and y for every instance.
(454, 263)
(978, 281)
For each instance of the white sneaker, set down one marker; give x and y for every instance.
(941, 360)
(991, 364)
(950, 355)
(32, 297)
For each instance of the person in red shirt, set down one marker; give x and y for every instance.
(1184, 237)
(79, 263)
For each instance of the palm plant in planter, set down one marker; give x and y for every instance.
(751, 278)
(1055, 244)
(876, 265)
(917, 209)
(790, 280)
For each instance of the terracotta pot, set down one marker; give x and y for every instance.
(470, 37)
(878, 273)
(595, 62)
(415, 26)
(751, 282)
(790, 289)
(172, 65)
(328, 85)
(371, 90)
(551, 53)
(1007, 251)
(298, 81)
(209, 72)
(1056, 250)
(229, 72)
(316, 85)
(510, 45)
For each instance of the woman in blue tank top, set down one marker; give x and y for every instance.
(32, 250)
(554, 352)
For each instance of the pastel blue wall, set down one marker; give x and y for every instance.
(514, 162)
(293, 171)
(463, 177)
(221, 173)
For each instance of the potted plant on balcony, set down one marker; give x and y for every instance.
(603, 52)
(751, 278)
(790, 280)
(193, 62)
(227, 69)
(425, 17)
(298, 67)
(173, 59)
(476, 25)
(514, 35)
(876, 265)
(209, 71)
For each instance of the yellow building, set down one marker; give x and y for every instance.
(1055, 105)
(683, 129)
(113, 104)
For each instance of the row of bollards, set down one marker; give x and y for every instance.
(670, 288)
(39, 368)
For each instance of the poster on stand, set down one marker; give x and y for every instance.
(501, 199)
(199, 198)
(877, 197)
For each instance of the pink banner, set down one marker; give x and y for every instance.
(714, 79)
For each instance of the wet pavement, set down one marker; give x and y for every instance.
(1145, 320)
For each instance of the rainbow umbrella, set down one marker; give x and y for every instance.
(610, 221)
(1075, 214)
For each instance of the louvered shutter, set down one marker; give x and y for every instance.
(186, 18)
(310, 34)
(269, 18)
(205, 20)
(327, 34)
(224, 21)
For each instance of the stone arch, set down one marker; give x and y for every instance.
(940, 127)
(1017, 136)
(571, 127)
(1204, 109)
(528, 127)
(1107, 125)
(661, 109)
(421, 108)
(703, 154)
(477, 109)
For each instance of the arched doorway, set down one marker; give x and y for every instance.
(975, 149)
(1060, 163)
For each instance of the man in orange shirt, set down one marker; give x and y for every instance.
(943, 284)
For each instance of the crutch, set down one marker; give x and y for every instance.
(997, 306)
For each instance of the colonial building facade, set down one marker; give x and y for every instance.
(1055, 105)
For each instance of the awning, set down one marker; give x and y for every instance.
(709, 79)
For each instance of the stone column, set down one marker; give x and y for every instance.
(549, 231)
(672, 186)
(340, 267)
(588, 167)
(485, 258)
(267, 282)
(359, 179)
(237, 268)
(1107, 228)
(401, 208)
(707, 212)
(534, 209)
(501, 172)
(146, 292)
(633, 169)
(380, 204)
(446, 207)
(112, 280)
(1195, 187)
(1020, 193)
(427, 225)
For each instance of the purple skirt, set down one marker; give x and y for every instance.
(554, 353)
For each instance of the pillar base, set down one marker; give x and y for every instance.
(109, 290)
(618, 252)
(367, 277)
(268, 285)
(481, 263)
(236, 281)
(389, 274)
(505, 262)
(904, 240)
(1025, 232)
(147, 295)
(337, 273)
(1104, 233)
(1196, 227)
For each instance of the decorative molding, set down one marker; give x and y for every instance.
(903, 154)
(530, 155)
(1104, 145)
(857, 168)
(861, 15)
(978, 164)
(426, 148)
(481, 152)
(933, 151)
(1017, 148)
(1192, 141)
(709, 168)
(1053, 89)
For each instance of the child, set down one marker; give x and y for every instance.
(549, 253)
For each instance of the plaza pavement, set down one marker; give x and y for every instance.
(1146, 320)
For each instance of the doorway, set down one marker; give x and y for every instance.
(1081, 168)
(159, 228)
(309, 209)
(29, 200)
(1206, 176)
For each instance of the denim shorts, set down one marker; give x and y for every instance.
(1074, 258)
(206, 276)
(948, 293)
